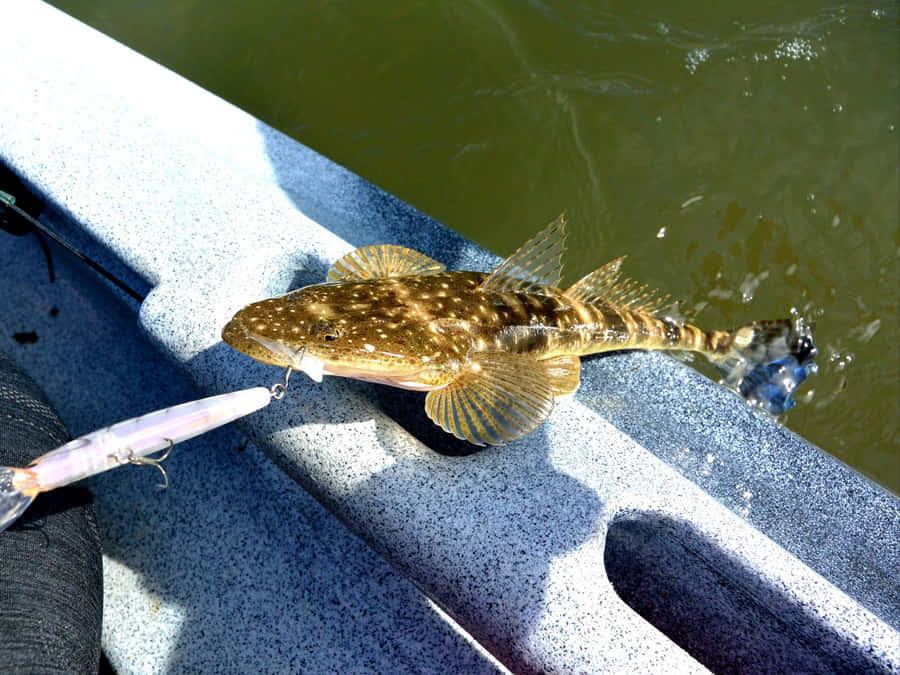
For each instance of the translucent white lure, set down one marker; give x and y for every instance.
(127, 442)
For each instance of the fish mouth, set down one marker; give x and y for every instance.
(272, 352)
(300, 359)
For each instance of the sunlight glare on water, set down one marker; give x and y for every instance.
(745, 157)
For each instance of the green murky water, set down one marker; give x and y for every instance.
(746, 158)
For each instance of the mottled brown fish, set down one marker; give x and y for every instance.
(493, 351)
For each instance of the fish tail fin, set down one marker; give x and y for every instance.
(766, 361)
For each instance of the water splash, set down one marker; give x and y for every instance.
(750, 284)
(694, 58)
(770, 386)
(767, 372)
(795, 49)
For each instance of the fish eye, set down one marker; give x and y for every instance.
(325, 330)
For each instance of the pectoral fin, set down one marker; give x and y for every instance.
(386, 260)
(500, 398)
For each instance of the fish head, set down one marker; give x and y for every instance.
(359, 329)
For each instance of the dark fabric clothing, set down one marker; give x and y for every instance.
(51, 584)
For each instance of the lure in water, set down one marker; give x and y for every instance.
(127, 442)
(494, 351)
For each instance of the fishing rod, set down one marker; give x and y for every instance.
(8, 202)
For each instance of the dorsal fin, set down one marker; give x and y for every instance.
(536, 264)
(383, 260)
(603, 286)
(593, 287)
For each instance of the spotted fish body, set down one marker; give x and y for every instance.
(493, 351)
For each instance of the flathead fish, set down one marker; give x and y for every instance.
(494, 351)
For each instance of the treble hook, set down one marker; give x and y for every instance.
(157, 462)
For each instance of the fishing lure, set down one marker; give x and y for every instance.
(131, 441)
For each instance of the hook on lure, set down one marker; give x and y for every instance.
(155, 461)
(131, 441)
